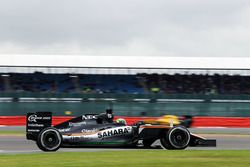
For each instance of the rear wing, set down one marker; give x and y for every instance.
(36, 122)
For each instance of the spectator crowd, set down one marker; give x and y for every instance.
(136, 84)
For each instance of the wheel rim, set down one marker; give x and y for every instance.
(179, 138)
(50, 139)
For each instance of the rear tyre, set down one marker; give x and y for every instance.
(49, 139)
(177, 138)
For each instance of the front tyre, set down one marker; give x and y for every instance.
(177, 138)
(49, 139)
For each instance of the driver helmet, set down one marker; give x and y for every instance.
(121, 121)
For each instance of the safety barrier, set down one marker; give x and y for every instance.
(153, 105)
(229, 122)
(243, 122)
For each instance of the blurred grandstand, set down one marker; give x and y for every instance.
(129, 90)
(121, 84)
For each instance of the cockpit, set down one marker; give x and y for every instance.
(105, 117)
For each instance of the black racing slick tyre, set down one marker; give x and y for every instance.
(49, 139)
(176, 138)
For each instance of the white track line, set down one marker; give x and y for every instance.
(211, 127)
(18, 151)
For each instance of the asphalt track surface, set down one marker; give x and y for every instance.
(227, 139)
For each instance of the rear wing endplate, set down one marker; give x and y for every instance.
(36, 122)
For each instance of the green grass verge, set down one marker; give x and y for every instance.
(12, 132)
(130, 158)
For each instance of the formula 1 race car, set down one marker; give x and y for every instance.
(99, 130)
(171, 119)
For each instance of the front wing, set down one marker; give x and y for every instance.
(198, 141)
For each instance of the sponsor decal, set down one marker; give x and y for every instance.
(35, 125)
(79, 138)
(64, 130)
(88, 117)
(109, 115)
(114, 132)
(89, 130)
(77, 123)
(34, 118)
(76, 138)
(33, 130)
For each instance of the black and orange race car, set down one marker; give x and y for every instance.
(100, 130)
(171, 120)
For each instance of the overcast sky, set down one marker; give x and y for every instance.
(126, 27)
